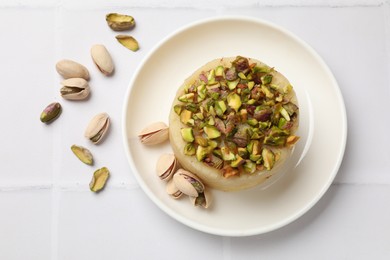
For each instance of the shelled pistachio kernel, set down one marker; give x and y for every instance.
(120, 22)
(83, 154)
(99, 179)
(128, 41)
(51, 112)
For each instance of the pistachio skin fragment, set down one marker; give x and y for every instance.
(120, 22)
(51, 112)
(128, 41)
(71, 69)
(99, 179)
(83, 154)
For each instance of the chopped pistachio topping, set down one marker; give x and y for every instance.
(235, 116)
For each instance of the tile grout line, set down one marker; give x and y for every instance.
(199, 5)
(56, 169)
(386, 13)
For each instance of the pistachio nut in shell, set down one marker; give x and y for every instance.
(51, 112)
(128, 41)
(83, 154)
(166, 166)
(102, 59)
(71, 69)
(188, 183)
(120, 22)
(154, 134)
(204, 199)
(97, 128)
(99, 179)
(75, 89)
(172, 190)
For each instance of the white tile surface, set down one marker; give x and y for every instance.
(122, 224)
(47, 211)
(25, 224)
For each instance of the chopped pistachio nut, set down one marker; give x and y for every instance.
(189, 149)
(235, 116)
(185, 116)
(212, 132)
(187, 134)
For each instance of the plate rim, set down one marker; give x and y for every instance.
(253, 231)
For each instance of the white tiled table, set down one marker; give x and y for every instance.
(46, 208)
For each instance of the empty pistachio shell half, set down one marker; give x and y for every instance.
(204, 199)
(83, 154)
(71, 69)
(120, 22)
(97, 128)
(75, 89)
(188, 183)
(154, 134)
(102, 59)
(99, 179)
(173, 190)
(166, 166)
(128, 41)
(51, 112)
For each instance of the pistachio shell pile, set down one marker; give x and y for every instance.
(181, 182)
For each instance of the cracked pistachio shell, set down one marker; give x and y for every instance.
(204, 199)
(97, 128)
(188, 183)
(71, 69)
(102, 59)
(166, 166)
(154, 134)
(120, 22)
(75, 89)
(128, 41)
(172, 190)
(99, 179)
(51, 112)
(83, 154)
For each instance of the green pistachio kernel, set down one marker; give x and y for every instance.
(189, 149)
(234, 101)
(212, 132)
(187, 134)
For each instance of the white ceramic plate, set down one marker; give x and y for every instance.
(323, 127)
